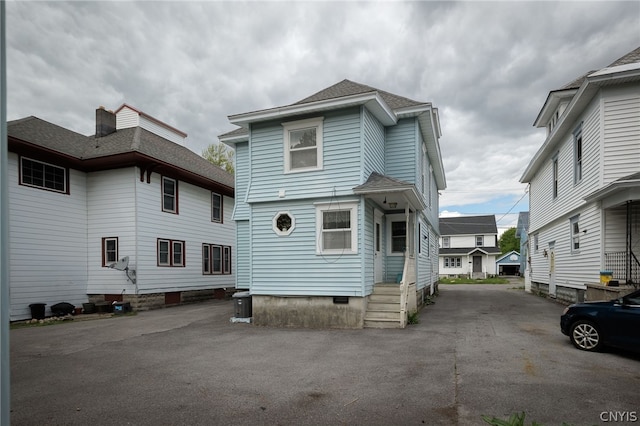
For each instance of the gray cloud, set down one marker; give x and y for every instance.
(488, 66)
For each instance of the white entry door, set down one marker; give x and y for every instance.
(377, 247)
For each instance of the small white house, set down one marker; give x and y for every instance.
(79, 204)
(468, 246)
(584, 182)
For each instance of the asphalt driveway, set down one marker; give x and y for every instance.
(480, 349)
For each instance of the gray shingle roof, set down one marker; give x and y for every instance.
(349, 88)
(467, 250)
(468, 225)
(377, 181)
(340, 90)
(630, 58)
(132, 140)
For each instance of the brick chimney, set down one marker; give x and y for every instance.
(105, 122)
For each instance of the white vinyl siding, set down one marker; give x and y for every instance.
(621, 136)
(570, 194)
(126, 118)
(572, 269)
(48, 246)
(193, 226)
(111, 212)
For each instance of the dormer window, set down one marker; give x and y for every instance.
(303, 145)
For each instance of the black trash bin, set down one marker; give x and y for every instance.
(37, 310)
(242, 304)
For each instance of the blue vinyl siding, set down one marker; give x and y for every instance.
(373, 151)
(401, 148)
(243, 254)
(289, 265)
(341, 160)
(241, 211)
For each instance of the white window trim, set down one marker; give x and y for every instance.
(555, 178)
(400, 217)
(353, 210)
(274, 223)
(105, 241)
(303, 124)
(575, 236)
(578, 164)
(446, 242)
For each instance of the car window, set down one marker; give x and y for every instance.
(632, 300)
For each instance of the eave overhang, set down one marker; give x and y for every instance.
(146, 164)
(614, 188)
(373, 101)
(593, 83)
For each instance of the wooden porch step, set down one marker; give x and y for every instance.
(383, 309)
(381, 323)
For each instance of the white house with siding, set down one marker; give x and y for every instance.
(584, 193)
(337, 211)
(468, 246)
(80, 203)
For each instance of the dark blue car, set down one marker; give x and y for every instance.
(594, 325)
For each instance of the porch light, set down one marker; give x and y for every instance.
(393, 205)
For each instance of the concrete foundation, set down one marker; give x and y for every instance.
(145, 302)
(599, 292)
(308, 312)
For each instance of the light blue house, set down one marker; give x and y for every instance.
(337, 208)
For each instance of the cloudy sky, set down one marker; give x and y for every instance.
(487, 66)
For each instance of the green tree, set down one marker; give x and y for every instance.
(508, 241)
(220, 155)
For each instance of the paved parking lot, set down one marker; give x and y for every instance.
(489, 349)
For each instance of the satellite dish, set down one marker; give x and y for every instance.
(121, 265)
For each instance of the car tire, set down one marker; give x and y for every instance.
(586, 336)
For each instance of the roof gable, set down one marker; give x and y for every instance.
(468, 225)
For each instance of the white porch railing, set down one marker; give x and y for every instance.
(408, 278)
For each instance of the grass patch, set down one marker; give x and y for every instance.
(494, 280)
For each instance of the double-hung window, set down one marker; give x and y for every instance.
(398, 236)
(554, 166)
(446, 242)
(479, 240)
(575, 234)
(216, 259)
(109, 250)
(303, 145)
(169, 195)
(336, 228)
(43, 175)
(577, 154)
(216, 207)
(170, 252)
